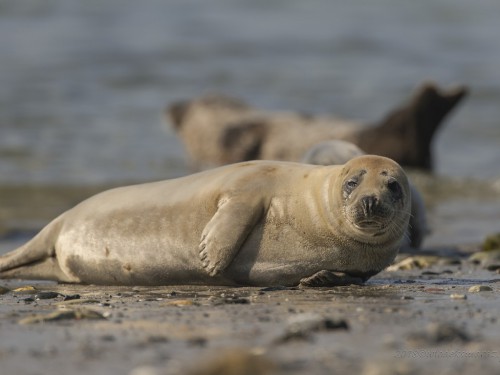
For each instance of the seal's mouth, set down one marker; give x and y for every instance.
(370, 226)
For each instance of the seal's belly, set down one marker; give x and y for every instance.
(279, 256)
(128, 255)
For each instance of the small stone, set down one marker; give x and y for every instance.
(458, 296)
(180, 303)
(46, 295)
(486, 259)
(414, 262)
(439, 333)
(28, 289)
(277, 288)
(3, 290)
(217, 301)
(78, 301)
(303, 325)
(237, 300)
(407, 297)
(493, 267)
(78, 314)
(480, 288)
(235, 361)
(157, 339)
(389, 368)
(197, 341)
(70, 297)
(144, 370)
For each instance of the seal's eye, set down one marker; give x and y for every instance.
(350, 185)
(395, 188)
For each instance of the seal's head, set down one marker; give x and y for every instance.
(375, 199)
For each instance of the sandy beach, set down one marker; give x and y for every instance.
(440, 315)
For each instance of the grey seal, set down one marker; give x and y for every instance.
(218, 130)
(258, 223)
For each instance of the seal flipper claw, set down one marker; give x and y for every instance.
(224, 234)
(327, 278)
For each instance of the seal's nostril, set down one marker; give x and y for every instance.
(369, 202)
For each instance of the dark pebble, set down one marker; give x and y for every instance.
(493, 267)
(277, 288)
(157, 339)
(439, 333)
(46, 295)
(70, 297)
(302, 326)
(216, 301)
(197, 341)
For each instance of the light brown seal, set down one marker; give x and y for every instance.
(340, 152)
(253, 223)
(217, 130)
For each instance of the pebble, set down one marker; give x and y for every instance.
(46, 295)
(78, 314)
(70, 297)
(26, 290)
(145, 370)
(180, 303)
(301, 326)
(439, 333)
(388, 368)
(480, 288)
(414, 262)
(3, 290)
(197, 341)
(458, 296)
(486, 259)
(235, 362)
(216, 301)
(78, 302)
(493, 267)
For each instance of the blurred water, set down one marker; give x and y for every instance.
(83, 83)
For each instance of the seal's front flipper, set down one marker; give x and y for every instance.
(225, 233)
(330, 278)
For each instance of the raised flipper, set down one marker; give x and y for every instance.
(406, 133)
(226, 231)
(327, 278)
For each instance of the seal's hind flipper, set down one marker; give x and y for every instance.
(225, 233)
(325, 278)
(47, 269)
(33, 259)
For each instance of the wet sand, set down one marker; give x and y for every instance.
(403, 321)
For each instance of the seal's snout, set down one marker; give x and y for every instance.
(369, 204)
